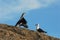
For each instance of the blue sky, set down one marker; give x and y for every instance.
(44, 12)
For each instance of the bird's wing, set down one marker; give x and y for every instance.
(22, 15)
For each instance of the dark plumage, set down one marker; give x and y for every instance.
(22, 22)
(40, 30)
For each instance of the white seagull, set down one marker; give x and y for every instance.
(39, 29)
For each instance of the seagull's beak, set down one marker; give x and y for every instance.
(35, 24)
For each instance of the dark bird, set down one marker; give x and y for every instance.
(22, 22)
(39, 29)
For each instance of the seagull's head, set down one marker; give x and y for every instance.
(37, 26)
(23, 13)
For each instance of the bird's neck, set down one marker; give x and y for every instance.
(37, 27)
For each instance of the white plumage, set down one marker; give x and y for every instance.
(39, 29)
